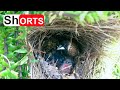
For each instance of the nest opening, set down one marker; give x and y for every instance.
(57, 38)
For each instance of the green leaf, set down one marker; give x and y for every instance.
(46, 19)
(37, 12)
(82, 16)
(1, 67)
(1, 51)
(13, 66)
(9, 74)
(4, 63)
(34, 61)
(12, 46)
(68, 11)
(21, 28)
(1, 11)
(77, 19)
(22, 36)
(21, 62)
(95, 16)
(10, 12)
(11, 55)
(73, 12)
(13, 74)
(20, 12)
(106, 13)
(1, 18)
(100, 13)
(52, 18)
(31, 12)
(21, 51)
(77, 12)
(4, 73)
(89, 18)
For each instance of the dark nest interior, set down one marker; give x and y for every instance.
(85, 46)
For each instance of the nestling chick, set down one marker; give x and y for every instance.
(69, 48)
(55, 57)
(67, 66)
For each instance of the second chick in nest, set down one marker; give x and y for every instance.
(69, 48)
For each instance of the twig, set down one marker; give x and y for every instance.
(39, 51)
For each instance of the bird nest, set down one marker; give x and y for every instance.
(89, 42)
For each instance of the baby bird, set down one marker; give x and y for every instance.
(55, 57)
(67, 66)
(63, 57)
(68, 48)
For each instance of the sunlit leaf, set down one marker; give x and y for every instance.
(1, 11)
(90, 19)
(21, 51)
(10, 12)
(22, 36)
(82, 16)
(10, 55)
(106, 13)
(9, 74)
(52, 18)
(23, 60)
(100, 13)
(73, 12)
(1, 18)
(11, 47)
(4, 72)
(4, 63)
(95, 16)
(19, 12)
(21, 28)
(13, 74)
(68, 11)
(1, 67)
(13, 66)
(46, 19)
(34, 61)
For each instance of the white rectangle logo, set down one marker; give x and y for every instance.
(11, 20)
(23, 20)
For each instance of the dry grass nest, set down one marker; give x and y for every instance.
(89, 39)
